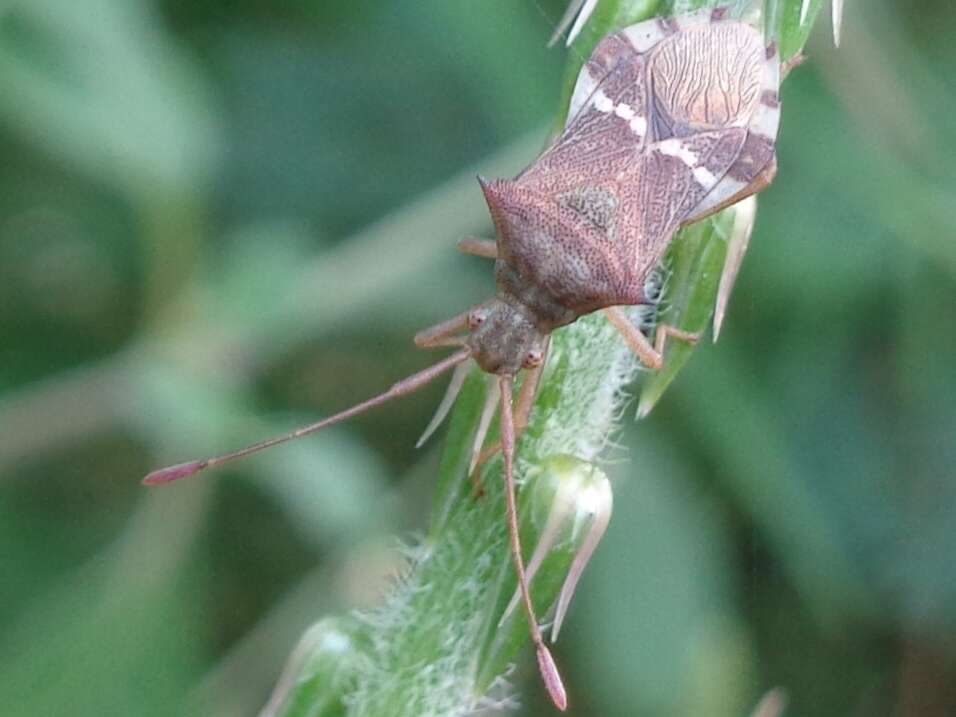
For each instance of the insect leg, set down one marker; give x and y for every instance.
(442, 334)
(486, 248)
(546, 666)
(666, 330)
(526, 397)
(651, 356)
(793, 63)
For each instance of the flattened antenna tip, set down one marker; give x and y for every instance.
(171, 473)
(551, 678)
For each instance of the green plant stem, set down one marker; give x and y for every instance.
(435, 647)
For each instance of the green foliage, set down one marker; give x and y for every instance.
(218, 220)
(426, 656)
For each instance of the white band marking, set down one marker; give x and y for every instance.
(602, 103)
(704, 176)
(624, 111)
(675, 148)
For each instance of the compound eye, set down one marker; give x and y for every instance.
(476, 318)
(533, 358)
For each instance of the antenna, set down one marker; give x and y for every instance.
(399, 389)
(547, 668)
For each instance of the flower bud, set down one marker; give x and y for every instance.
(318, 672)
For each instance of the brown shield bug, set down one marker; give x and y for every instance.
(671, 120)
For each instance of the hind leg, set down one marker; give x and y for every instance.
(650, 355)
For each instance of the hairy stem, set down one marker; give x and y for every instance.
(443, 640)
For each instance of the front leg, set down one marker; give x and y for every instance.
(485, 248)
(651, 356)
(443, 334)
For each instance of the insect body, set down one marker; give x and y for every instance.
(671, 120)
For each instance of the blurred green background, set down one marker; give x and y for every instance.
(219, 219)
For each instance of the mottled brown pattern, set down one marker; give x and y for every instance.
(756, 154)
(595, 204)
(681, 191)
(658, 136)
(595, 145)
(607, 54)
